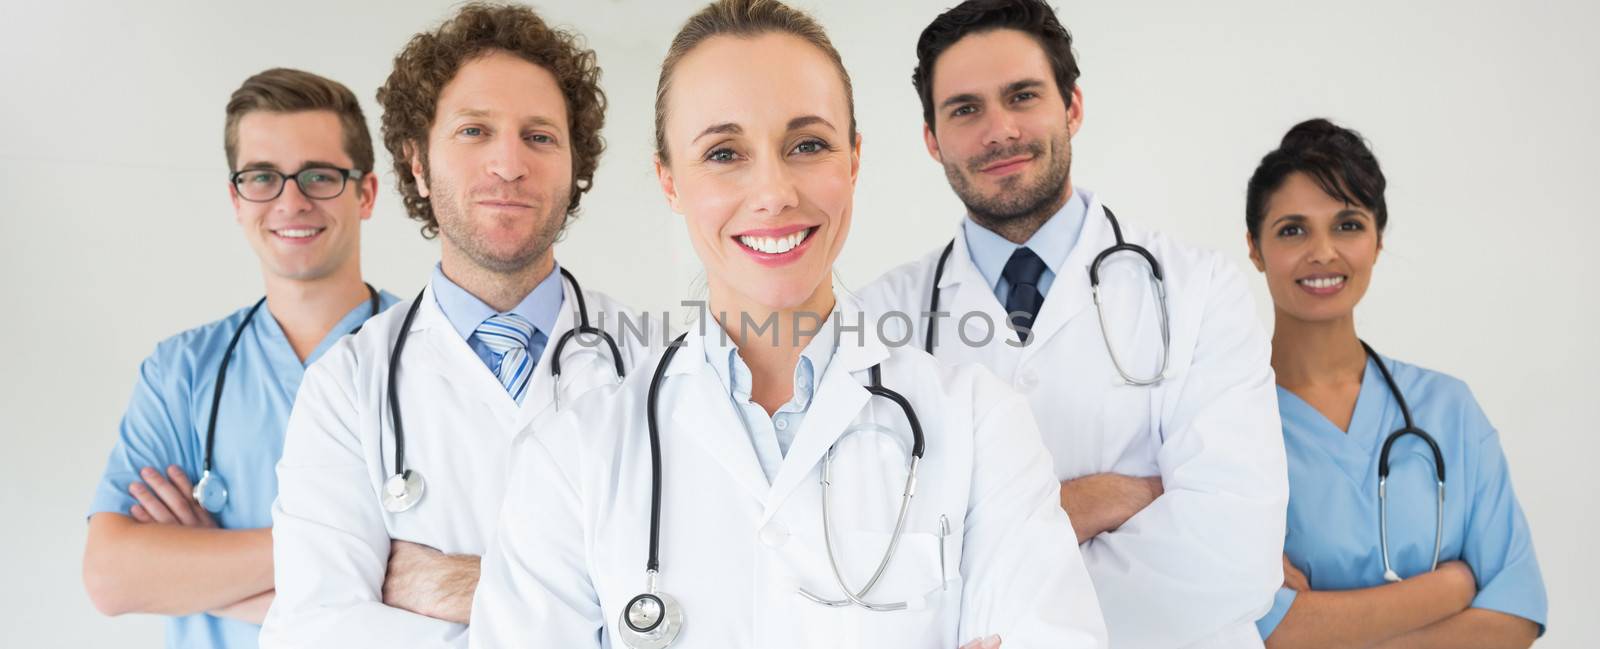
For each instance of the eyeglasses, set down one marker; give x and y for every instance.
(321, 183)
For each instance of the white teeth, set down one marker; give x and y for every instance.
(775, 245)
(299, 233)
(1322, 282)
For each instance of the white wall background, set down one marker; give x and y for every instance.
(115, 229)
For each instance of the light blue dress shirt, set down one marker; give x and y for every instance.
(1333, 495)
(1052, 243)
(771, 436)
(465, 312)
(165, 424)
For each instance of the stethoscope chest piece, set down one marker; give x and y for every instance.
(650, 621)
(211, 492)
(402, 491)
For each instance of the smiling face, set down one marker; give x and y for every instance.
(761, 168)
(1317, 251)
(1001, 128)
(499, 172)
(295, 237)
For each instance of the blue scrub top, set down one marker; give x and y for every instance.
(166, 420)
(1333, 495)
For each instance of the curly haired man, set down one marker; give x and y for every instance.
(493, 121)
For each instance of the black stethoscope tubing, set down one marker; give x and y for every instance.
(227, 357)
(666, 616)
(583, 326)
(1410, 427)
(1094, 271)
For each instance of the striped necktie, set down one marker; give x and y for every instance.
(507, 335)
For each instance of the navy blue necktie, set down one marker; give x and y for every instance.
(1023, 300)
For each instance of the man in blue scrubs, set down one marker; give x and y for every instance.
(302, 183)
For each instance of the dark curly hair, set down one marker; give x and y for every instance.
(410, 96)
(1336, 158)
(1031, 17)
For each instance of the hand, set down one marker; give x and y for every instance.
(1463, 585)
(991, 642)
(1104, 501)
(1293, 579)
(428, 582)
(170, 502)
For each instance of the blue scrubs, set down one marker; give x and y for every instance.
(1333, 495)
(165, 424)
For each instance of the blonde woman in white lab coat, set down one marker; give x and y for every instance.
(757, 151)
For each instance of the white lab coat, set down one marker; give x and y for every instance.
(572, 542)
(331, 535)
(1202, 562)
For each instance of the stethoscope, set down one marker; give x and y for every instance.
(404, 488)
(1156, 281)
(212, 491)
(1410, 428)
(653, 619)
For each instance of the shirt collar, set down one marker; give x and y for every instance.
(465, 311)
(1052, 242)
(722, 354)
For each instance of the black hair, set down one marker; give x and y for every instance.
(1031, 17)
(1338, 159)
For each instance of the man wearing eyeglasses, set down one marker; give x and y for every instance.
(210, 404)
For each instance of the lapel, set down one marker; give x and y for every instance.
(447, 355)
(966, 291)
(838, 401)
(1070, 294)
(701, 411)
(575, 371)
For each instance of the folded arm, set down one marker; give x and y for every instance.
(1023, 578)
(426, 581)
(150, 547)
(1474, 628)
(535, 588)
(331, 540)
(1102, 502)
(1205, 555)
(1364, 617)
(251, 609)
(134, 567)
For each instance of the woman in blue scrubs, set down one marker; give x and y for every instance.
(1316, 214)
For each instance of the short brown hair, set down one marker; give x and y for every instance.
(744, 19)
(283, 90)
(410, 96)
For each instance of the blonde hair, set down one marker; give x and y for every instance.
(744, 19)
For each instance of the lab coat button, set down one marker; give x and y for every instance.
(1028, 380)
(774, 535)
